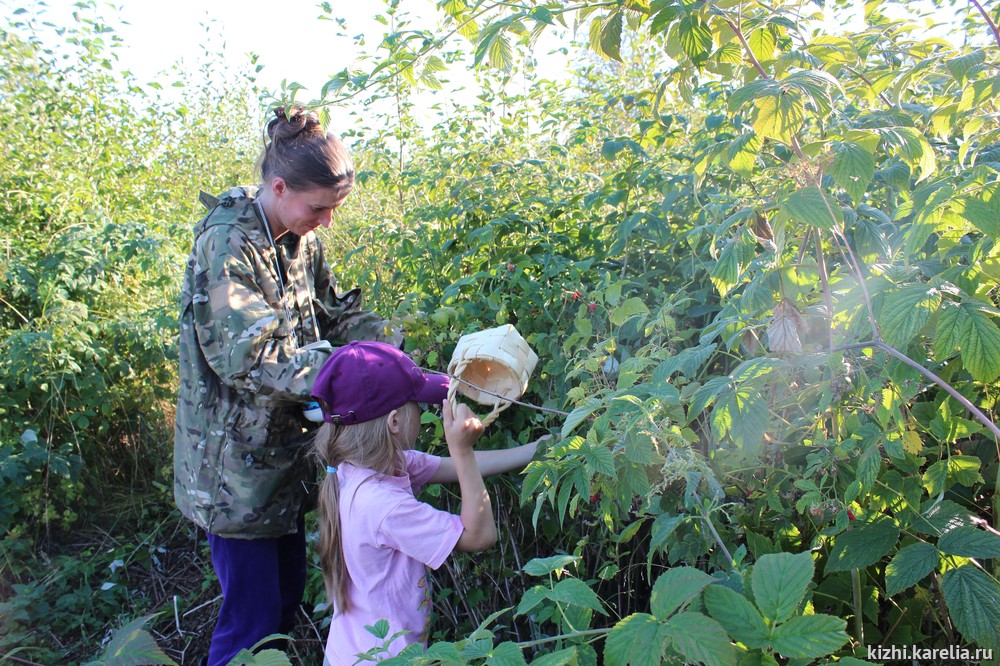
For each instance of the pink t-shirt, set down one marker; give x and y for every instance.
(389, 539)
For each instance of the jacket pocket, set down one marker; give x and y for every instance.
(264, 483)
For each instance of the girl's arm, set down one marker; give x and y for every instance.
(490, 462)
(461, 430)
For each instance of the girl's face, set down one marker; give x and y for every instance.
(302, 211)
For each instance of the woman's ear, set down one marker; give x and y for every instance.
(278, 186)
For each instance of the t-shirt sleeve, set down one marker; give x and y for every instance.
(420, 467)
(420, 531)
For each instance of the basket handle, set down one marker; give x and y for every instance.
(453, 394)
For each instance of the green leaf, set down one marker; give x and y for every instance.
(575, 592)
(913, 147)
(973, 599)
(762, 43)
(862, 546)
(726, 272)
(779, 583)
(968, 327)
(853, 169)
(941, 517)
(701, 639)
(531, 598)
(606, 36)
(688, 362)
(812, 206)
(379, 630)
(742, 153)
(676, 587)
(963, 65)
(543, 566)
(564, 657)
(970, 541)
(663, 527)
(638, 640)
(964, 470)
(810, 636)
(869, 466)
(132, 645)
(743, 415)
(633, 307)
(579, 415)
(779, 116)
(978, 93)
(984, 216)
(905, 312)
(737, 616)
(909, 566)
(695, 37)
(506, 654)
(935, 478)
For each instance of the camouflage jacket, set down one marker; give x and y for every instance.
(250, 347)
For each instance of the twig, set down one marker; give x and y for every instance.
(949, 389)
(207, 603)
(497, 395)
(975, 411)
(989, 21)
(177, 619)
(311, 623)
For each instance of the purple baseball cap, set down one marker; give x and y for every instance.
(362, 381)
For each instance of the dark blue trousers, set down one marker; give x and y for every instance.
(263, 581)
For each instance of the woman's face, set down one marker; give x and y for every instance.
(302, 211)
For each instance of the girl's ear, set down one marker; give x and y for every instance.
(394, 421)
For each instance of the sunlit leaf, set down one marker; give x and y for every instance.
(812, 206)
(906, 311)
(853, 169)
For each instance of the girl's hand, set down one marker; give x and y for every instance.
(462, 428)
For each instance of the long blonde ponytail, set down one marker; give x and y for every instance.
(368, 445)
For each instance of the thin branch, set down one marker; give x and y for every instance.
(497, 395)
(796, 148)
(989, 21)
(746, 47)
(975, 411)
(878, 344)
(860, 75)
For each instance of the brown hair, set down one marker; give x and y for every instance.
(370, 445)
(297, 149)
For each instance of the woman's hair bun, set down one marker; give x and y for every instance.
(299, 150)
(291, 122)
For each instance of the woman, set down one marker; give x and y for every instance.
(259, 316)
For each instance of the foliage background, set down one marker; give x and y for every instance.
(757, 261)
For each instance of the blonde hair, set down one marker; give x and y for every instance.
(370, 445)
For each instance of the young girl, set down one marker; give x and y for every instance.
(376, 539)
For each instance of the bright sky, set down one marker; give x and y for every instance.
(292, 41)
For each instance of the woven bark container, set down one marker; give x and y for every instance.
(497, 360)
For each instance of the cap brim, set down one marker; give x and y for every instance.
(434, 390)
